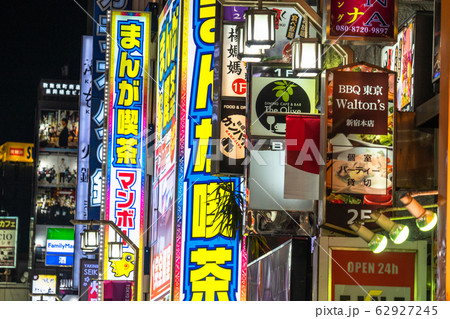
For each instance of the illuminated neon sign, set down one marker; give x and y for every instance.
(126, 139)
(207, 262)
(164, 192)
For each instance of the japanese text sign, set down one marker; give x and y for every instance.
(82, 198)
(167, 89)
(360, 119)
(386, 277)
(16, 152)
(97, 103)
(165, 152)
(234, 71)
(360, 102)
(88, 280)
(126, 113)
(207, 261)
(8, 242)
(362, 20)
(288, 25)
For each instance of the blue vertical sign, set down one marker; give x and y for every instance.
(97, 106)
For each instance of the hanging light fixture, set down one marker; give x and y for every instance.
(260, 27)
(89, 239)
(245, 53)
(115, 249)
(376, 242)
(306, 54)
(83, 245)
(425, 219)
(397, 232)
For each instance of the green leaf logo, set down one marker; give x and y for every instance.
(284, 89)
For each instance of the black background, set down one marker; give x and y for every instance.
(37, 38)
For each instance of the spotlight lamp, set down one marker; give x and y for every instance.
(425, 219)
(260, 27)
(376, 242)
(245, 53)
(397, 232)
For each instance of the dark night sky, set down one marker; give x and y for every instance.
(37, 39)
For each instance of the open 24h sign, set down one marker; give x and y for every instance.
(362, 20)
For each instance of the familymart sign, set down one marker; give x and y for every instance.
(60, 247)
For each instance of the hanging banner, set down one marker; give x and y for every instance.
(8, 241)
(303, 160)
(165, 150)
(208, 263)
(362, 20)
(360, 119)
(127, 105)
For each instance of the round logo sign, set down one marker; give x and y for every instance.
(239, 86)
(280, 96)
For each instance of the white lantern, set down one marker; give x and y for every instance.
(245, 53)
(260, 27)
(90, 239)
(115, 250)
(83, 246)
(306, 56)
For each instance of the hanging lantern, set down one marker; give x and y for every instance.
(115, 250)
(245, 53)
(89, 240)
(260, 27)
(83, 246)
(306, 56)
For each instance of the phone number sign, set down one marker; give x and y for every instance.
(362, 19)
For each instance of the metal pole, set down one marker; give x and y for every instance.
(125, 238)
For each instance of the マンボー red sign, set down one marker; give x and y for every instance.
(363, 19)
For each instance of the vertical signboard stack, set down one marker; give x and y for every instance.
(207, 263)
(360, 128)
(126, 100)
(163, 189)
